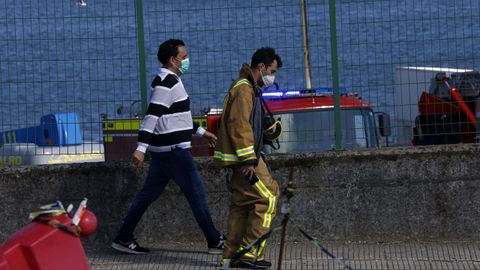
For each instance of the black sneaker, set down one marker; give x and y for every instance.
(217, 249)
(131, 247)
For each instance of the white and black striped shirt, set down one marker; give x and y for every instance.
(168, 122)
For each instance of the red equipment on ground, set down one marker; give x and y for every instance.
(50, 242)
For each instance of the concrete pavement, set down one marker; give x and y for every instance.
(441, 255)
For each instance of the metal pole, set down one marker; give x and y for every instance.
(282, 246)
(141, 54)
(288, 193)
(335, 77)
(306, 51)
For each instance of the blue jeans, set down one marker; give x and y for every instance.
(178, 165)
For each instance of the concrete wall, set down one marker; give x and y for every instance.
(386, 194)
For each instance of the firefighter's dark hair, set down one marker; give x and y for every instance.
(168, 49)
(265, 55)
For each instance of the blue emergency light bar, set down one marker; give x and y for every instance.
(323, 91)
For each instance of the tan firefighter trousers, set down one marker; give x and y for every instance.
(252, 208)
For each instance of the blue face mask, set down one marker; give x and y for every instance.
(185, 65)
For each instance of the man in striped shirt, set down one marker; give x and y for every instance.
(166, 131)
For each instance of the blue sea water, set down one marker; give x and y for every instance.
(58, 56)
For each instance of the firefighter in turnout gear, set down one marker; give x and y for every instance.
(240, 141)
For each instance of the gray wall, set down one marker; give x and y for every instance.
(387, 194)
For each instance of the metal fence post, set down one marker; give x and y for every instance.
(141, 54)
(335, 76)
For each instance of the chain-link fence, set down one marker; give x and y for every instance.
(90, 62)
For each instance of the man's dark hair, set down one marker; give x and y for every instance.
(168, 49)
(265, 55)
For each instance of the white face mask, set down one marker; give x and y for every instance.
(268, 80)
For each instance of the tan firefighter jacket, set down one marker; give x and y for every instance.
(240, 131)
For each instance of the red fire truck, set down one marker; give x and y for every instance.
(307, 118)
